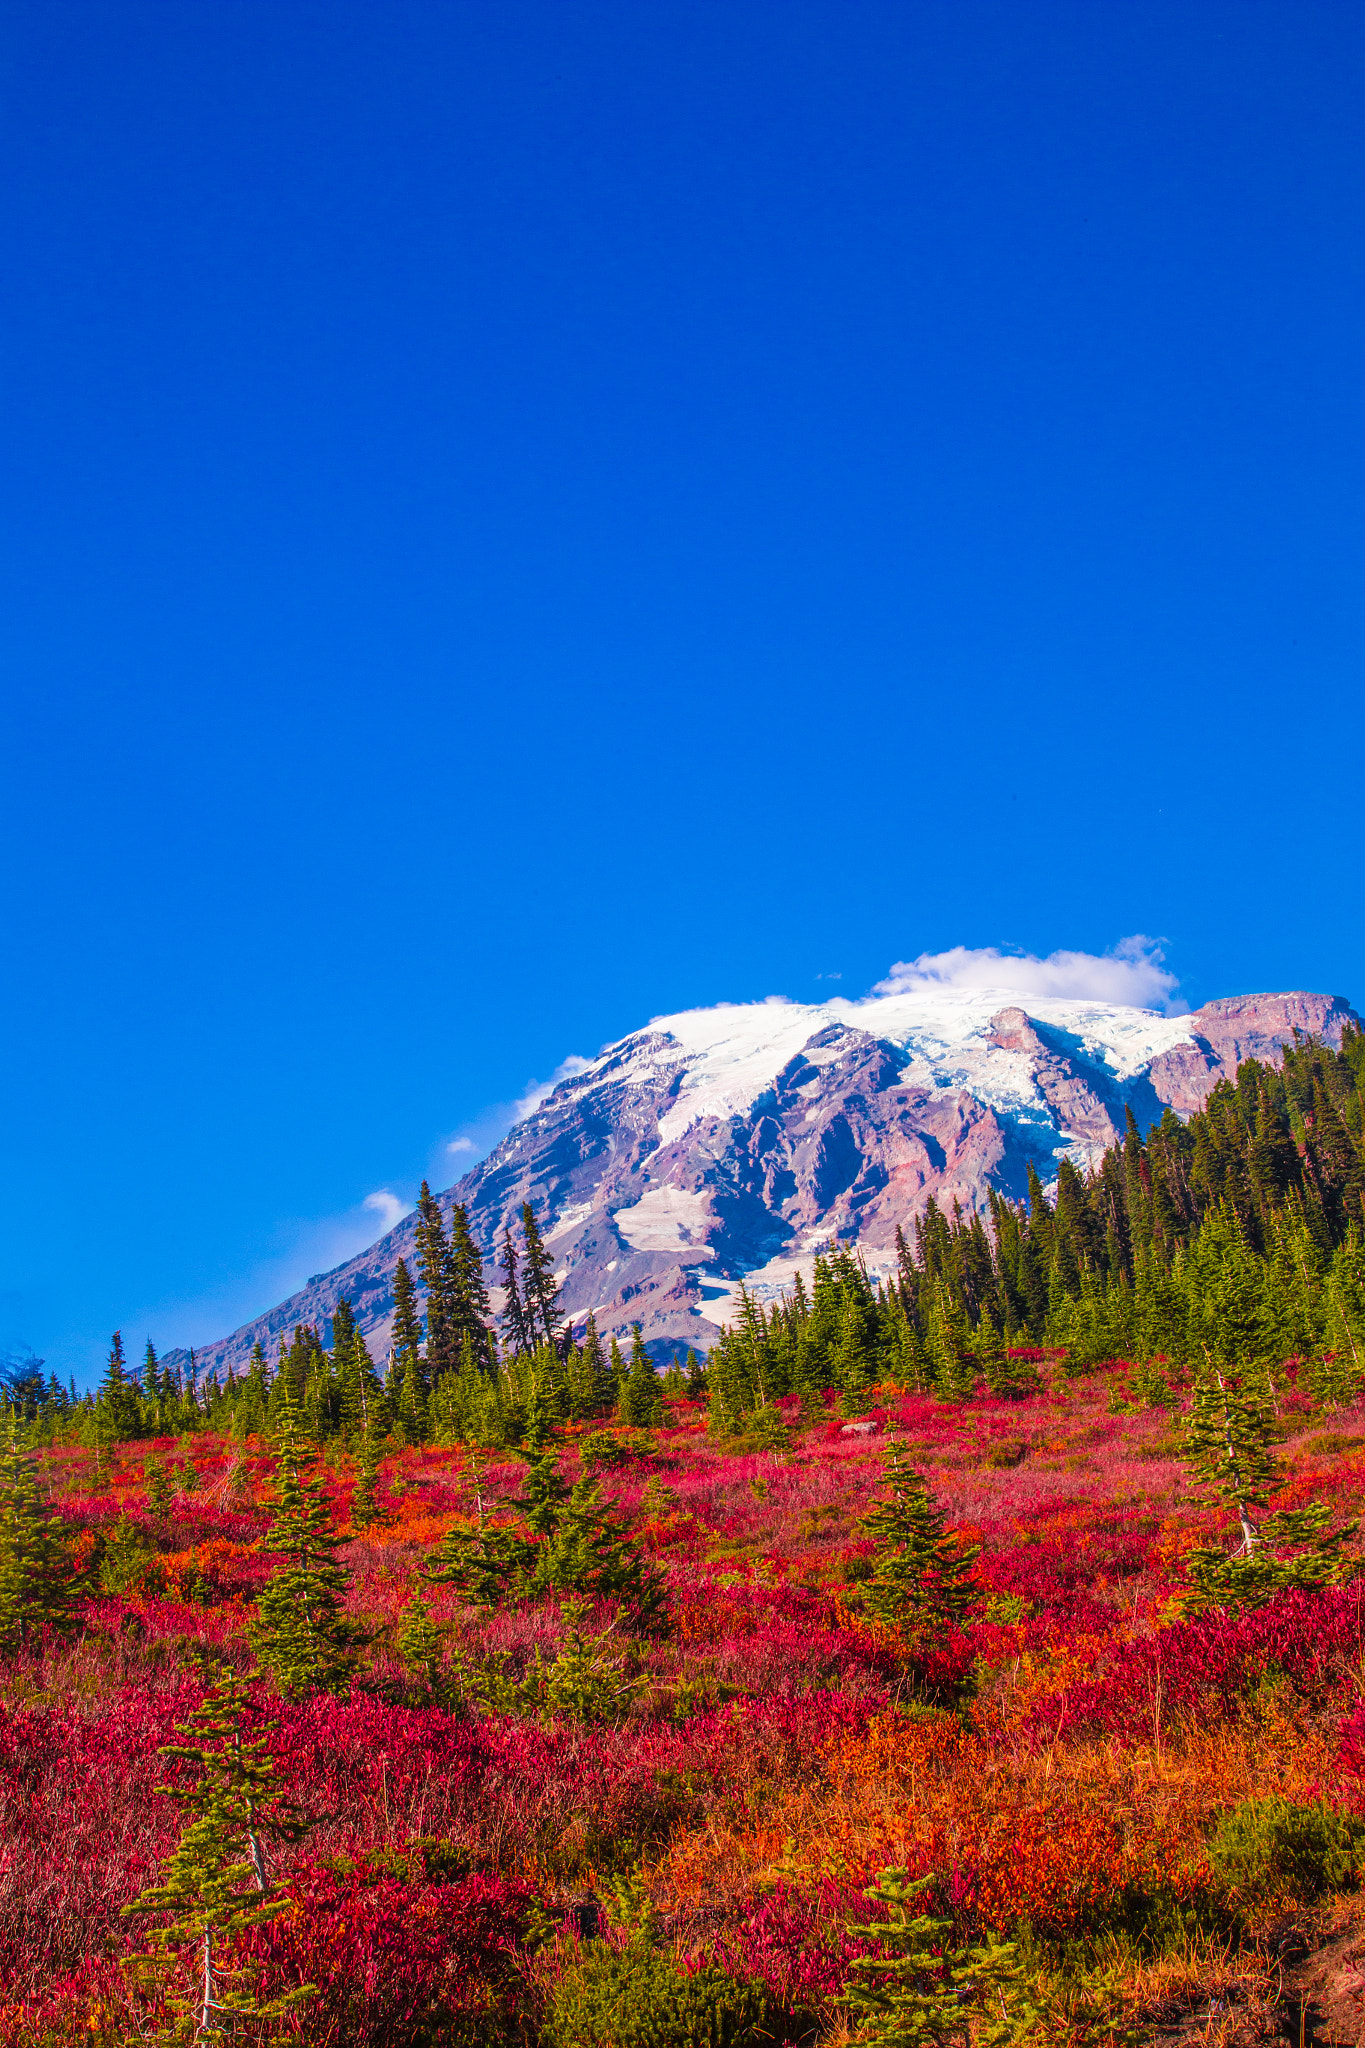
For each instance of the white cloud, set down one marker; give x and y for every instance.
(537, 1091)
(1131, 972)
(482, 1132)
(388, 1207)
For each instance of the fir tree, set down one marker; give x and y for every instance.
(366, 1507)
(467, 1292)
(421, 1642)
(433, 1265)
(601, 1379)
(216, 1887)
(586, 1682)
(928, 1989)
(921, 1572)
(1228, 1445)
(156, 1482)
(301, 1634)
(515, 1321)
(641, 1402)
(539, 1293)
(118, 1404)
(36, 1581)
(411, 1387)
(586, 1551)
(487, 1562)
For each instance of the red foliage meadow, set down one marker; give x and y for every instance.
(1059, 1761)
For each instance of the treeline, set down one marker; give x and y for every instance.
(1233, 1240)
(449, 1375)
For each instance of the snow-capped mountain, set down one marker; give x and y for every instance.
(733, 1143)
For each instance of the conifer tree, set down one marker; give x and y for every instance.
(586, 1682)
(366, 1508)
(516, 1326)
(1228, 1445)
(301, 1635)
(586, 1551)
(539, 1292)
(930, 1989)
(487, 1562)
(467, 1292)
(151, 1374)
(921, 1572)
(949, 1345)
(409, 1387)
(118, 1402)
(433, 1265)
(695, 1376)
(641, 1402)
(616, 1371)
(597, 1368)
(217, 1887)
(421, 1642)
(36, 1580)
(407, 1334)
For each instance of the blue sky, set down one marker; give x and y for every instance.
(521, 518)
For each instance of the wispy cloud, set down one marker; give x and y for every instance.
(482, 1132)
(388, 1207)
(1133, 971)
(297, 1249)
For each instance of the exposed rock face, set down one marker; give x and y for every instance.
(732, 1143)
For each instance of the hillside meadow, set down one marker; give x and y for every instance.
(546, 1819)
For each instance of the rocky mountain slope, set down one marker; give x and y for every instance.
(730, 1144)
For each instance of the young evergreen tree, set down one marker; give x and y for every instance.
(217, 1887)
(641, 1400)
(598, 1371)
(587, 1551)
(36, 1577)
(489, 1563)
(928, 1989)
(366, 1508)
(421, 1642)
(922, 1574)
(587, 1681)
(1228, 1440)
(118, 1401)
(301, 1634)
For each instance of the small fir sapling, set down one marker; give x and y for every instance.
(1228, 1438)
(587, 1681)
(421, 1642)
(301, 1634)
(157, 1487)
(922, 1574)
(931, 1990)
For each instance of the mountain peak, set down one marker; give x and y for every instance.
(729, 1145)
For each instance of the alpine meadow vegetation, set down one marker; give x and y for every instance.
(976, 1656)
